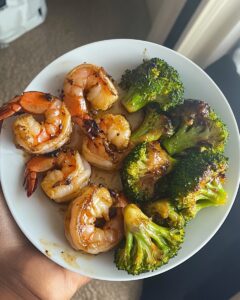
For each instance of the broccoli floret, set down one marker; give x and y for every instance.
(164, 212)
(196, 182)
(154, 126)
(213, 195)
(147, 245)
(152, 81)
(143, 166)
(161, 188)
(196, 125)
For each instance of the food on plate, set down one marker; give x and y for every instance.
(168, 169)
(67, 174)
(152, 81)
(154, 126)
(143, 166)
(94, 220)
(39, 137)
(197, 182)
(88, 84)
(147, 245)
(164, 212)
(196, 125)
(106, 151)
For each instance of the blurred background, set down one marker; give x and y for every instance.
(35, 32)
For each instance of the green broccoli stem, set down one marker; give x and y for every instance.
(143, 250)
(139, 245)
(134, 100)
(129, 243)
(203, 204)
(147, 245)
(124, 254)
(183, 139)
(212, 195)
(144, 230)
(149, 130)
(155, 232)
(175, 219)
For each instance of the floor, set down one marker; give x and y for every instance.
(69, 26)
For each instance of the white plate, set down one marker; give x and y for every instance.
(40, 219)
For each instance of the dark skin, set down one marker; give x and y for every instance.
(27, 274)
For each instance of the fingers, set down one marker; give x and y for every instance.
(75, 281)
(10, 234)
(46, 279)
(38, 275)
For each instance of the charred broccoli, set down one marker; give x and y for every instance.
(147, 245)
(196, 182)
(196, 125)
(154, 126)
(152, 81)
(164, 212)
(216, 196)
(161, 188)
(146, 163)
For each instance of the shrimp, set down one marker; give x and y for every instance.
(69, 173)
(88, 83)
(106, 152)
(39, 137)
(94, 220)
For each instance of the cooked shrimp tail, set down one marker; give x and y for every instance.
(67, 174)
(32, 102)
(34, 167)
(30, 182)
(10, 109)
(39, 137)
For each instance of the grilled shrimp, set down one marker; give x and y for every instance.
(39, 137)
(106, 152)
(94, 220)
(68, 174)
(88, 84)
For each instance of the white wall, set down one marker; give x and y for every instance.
(163, 14)
(211, 32)
(153, 7)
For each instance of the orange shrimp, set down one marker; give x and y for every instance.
(39, 137)
(94, 220)
(67, 174)
(88, 84)
(108, 151)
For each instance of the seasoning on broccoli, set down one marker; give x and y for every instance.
(147, 245)
(164, 213)
(196, 125)
(152, 81)
(143, 166)
(196, 182)
(155, 125)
